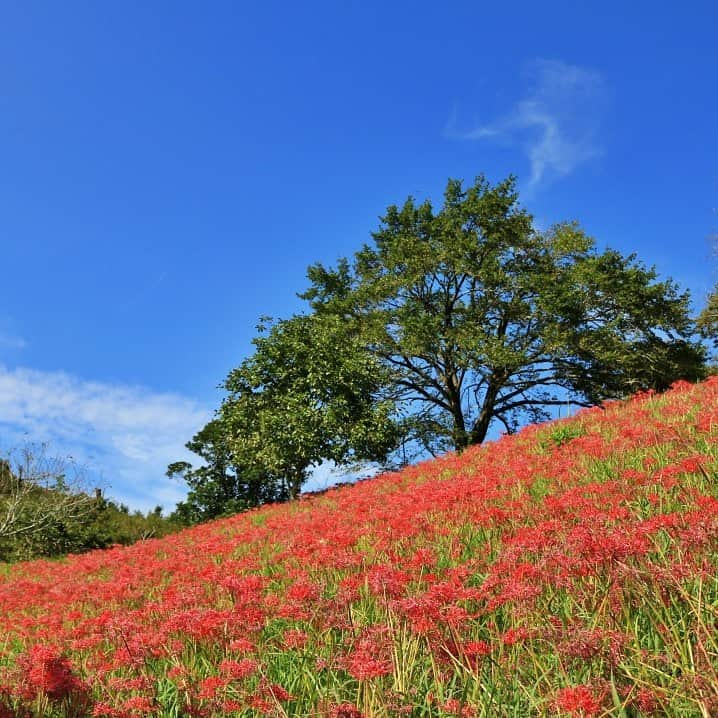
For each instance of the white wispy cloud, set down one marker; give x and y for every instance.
(125, 435)
(556, 122)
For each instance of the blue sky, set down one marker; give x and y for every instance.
(169, 170)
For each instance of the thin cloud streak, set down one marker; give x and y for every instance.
(125, 435)
(556, 123)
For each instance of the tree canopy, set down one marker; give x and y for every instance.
(478, 317)
(221, 485)
(447, 322)
(309, 393)
(708, 319)
(46, 510)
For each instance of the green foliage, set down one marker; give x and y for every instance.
(564, 433)
(39, 501)
(708, 319)
(222, 485)
(45, 513)
(447, 322)
(104, 525)
(477, 317)
(308, 394)
(111, 523)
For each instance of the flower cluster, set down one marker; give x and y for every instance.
(567, 570)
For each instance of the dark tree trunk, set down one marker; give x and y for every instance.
(295, 486)
(459, 435)
(481, 427)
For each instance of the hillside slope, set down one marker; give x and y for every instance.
(567, 570)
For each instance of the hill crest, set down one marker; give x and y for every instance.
(566, 570)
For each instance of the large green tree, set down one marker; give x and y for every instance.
(477, 317)
(448, 322)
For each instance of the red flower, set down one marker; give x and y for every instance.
(237, 670)
(50, 673)
(578, 701)
(457, 708)
(208, 687)
(279, 693)
(646, 701)
(476, 649)
(514, 635)
(345, 710)
(294, 639)
(363, 666)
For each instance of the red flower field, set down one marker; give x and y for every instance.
(568, 570)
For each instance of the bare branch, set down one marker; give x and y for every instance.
(36, 492)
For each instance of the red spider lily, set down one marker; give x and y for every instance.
(345, 710)
(455, 707)
(209, 687)
(138, 705)
(363, 665)
(278, 692)
(535, 546)
(578, 701)
(237, 670)
(294, 639)
(49, 673)
(646, 701)
(515, 635)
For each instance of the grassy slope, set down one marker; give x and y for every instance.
(568, 570)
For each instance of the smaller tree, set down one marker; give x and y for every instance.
(220, 486)
(708, 319)
(308, 394)
(41, 501)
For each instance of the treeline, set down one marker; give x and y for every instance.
(45, 513)
(447, 323)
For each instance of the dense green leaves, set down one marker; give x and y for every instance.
(708, 319)
(221, 485)
(447, 322)
(308, 394)
(45, 511)
(479, 318)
